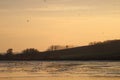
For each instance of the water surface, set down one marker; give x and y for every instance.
(59, 70)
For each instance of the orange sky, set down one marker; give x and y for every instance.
(38, 24)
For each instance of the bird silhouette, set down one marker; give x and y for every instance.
(28, 20)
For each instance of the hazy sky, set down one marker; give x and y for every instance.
(41, 23)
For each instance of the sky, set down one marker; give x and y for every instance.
(42, 23)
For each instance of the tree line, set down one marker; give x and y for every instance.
(106, 50)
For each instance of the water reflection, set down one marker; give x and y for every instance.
(59, 68)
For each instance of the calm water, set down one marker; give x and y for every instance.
(59, 70)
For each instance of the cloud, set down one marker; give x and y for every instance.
(58, 8)
(61, 6)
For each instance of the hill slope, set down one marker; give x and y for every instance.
(107, 50)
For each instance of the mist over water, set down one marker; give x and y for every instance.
(41, 69)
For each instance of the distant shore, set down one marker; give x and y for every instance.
(107, 50)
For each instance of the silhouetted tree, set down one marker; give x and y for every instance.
(58, 47)
(95, 43)
(30, 51)
(9, 51)
(67, 46)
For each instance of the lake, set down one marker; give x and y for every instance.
(59, 70)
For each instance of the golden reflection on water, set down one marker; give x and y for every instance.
(63, 78)
(62, 70)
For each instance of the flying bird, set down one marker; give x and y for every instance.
(28, 20)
